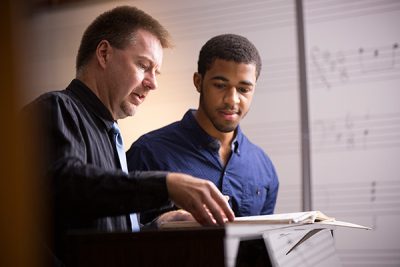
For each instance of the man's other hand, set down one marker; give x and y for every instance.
(199, 197)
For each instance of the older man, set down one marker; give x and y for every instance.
(88, 187)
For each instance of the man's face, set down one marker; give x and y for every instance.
(226, 92)
(131, 73)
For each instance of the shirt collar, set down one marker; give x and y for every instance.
(203, 138)
(92, 102)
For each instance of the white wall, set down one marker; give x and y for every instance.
(354, 78)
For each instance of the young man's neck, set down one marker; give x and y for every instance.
(225, 138)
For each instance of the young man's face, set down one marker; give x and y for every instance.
(226, 92)
(131, 73)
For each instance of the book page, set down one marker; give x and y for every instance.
(282, 218)
(294, 217)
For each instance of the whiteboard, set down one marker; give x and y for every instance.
(353, 61)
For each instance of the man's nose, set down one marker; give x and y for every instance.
(150, 81)
(231, 96)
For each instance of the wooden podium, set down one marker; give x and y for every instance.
(185, 247)
(237, 245)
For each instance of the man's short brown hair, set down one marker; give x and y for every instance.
(118, 26)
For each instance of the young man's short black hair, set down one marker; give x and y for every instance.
(230, 47)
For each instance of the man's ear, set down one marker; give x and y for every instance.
(197, 81)
(103, 51)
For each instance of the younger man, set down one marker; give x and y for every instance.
(208, 142)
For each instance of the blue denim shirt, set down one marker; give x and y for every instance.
(248, 178)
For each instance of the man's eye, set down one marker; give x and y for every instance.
(219, 85)
(143, 66)
(243, 89)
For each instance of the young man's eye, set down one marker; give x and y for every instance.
(244, 90)
(219, 85)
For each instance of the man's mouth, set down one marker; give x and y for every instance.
(229, 114)
(140, 96)
(229, 111)
(137, 99)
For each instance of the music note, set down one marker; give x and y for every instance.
(329, 67)
(348, 129)
(351, 132)
(315, 58)
(378, 59)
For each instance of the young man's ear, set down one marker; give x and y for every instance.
(197, 81)
(102, 52)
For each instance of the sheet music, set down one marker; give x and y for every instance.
(357, 65)
(319, 250)
(354, 80)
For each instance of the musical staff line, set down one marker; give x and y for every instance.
(329, 69)
(365, 64)
(289, 197)
(379, 197)
(348, 133)
(277, 74)
(275, 137)
(356, 132)
(333, 69)
(317, 11)
(188, 23)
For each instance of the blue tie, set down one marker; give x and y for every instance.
(122, 159)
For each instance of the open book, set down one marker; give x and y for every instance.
(286, 218)
(306, 217)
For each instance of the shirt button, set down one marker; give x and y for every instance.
(258, 192)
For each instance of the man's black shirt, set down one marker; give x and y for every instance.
(84, 184)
